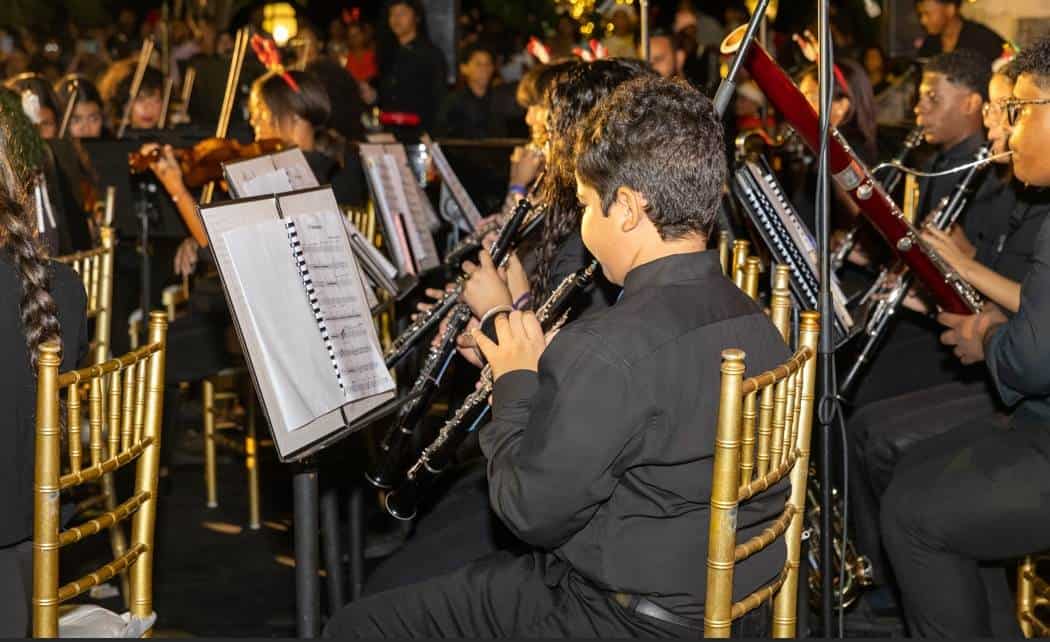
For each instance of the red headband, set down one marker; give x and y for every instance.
(267, 53)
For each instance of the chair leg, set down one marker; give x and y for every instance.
(251, 462)
(208, 401)
(1025, 595)
(118, 541)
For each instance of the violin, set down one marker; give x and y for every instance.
(202, 163)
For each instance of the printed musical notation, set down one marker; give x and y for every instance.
(341, 298)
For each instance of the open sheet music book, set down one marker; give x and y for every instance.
(301, 312)
(277, 173)
(402, 207)
(470, 217)
(288, 171)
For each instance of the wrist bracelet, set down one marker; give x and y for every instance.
(522, 301)
(518, 189)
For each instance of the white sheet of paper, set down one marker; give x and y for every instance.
(344, 306)
(298, 363)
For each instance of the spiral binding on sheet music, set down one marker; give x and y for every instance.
(311, 293)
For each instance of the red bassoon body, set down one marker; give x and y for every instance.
(951, 293)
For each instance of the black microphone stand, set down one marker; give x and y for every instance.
(827, 406)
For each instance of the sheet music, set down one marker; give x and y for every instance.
(277, 173)
(343, 303)
(418, 203)
(402, 210)
(371, 156)
(272, 315)
(450, 180)
(299, 368)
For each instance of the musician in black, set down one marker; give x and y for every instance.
(600, 448)
(460, 523)
(947, 30)
(952, 94)
(981, 493)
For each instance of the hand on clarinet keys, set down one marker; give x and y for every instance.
(486, 287)
(520, 343)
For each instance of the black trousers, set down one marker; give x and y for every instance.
(978, 493)
(531, 595)
(882, 433)
(16, 589)
(458, 529)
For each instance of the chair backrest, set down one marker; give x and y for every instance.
(124, 418)
(95, 268)
(738, 262)
(780, 403)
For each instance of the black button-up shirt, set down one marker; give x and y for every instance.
(604, 457)
(973, 36)
(1018, 352)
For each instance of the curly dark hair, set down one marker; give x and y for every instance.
(1034, 60)
(572, 96)
(963, 67)
(663, 139)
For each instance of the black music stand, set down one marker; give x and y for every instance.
(310, 510)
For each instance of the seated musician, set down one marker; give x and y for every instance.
(884, 431)
(87, 120)
(40, 301)
(953, 90)
(980, 493)
(461, 523)
(115, 87)
(601, 446)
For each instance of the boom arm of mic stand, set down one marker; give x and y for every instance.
(728, 84)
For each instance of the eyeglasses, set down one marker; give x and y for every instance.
(992, 109)
(1014, 106)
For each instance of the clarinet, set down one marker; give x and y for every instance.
(426, 321)
(404, 500)
(893, 178)
(472, 243)
(890, 288)
(394, 449)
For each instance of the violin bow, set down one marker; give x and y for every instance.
(136, 83)
(240, 47)
(67, 113)
(169, 85)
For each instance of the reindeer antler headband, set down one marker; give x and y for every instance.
(267, 53)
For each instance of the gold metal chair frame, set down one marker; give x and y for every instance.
(125, 409)
(763, 437)
(1033, 592)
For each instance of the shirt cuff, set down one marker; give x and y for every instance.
(512, 396)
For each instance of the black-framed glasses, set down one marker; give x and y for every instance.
(1013, 107)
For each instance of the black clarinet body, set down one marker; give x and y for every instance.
(427, 321)
(395, 447)
(403, 502)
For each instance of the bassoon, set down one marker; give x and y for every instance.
(403, 501)
(948, 290)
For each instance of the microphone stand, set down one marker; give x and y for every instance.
(826, 408)
(728, 85)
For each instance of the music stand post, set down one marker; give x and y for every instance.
(307, 583)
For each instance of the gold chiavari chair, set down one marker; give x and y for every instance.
(738, 261)
(1033, 592)
(723, 251)
(124, 409)
(740, 473)
(95, 268)
(96, 271)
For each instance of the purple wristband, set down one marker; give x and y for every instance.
(522, 301)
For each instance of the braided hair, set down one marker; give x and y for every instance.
(21, 151)
(578, 89)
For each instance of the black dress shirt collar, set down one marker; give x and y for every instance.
(691, 266)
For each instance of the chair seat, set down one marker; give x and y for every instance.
(92, 621)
